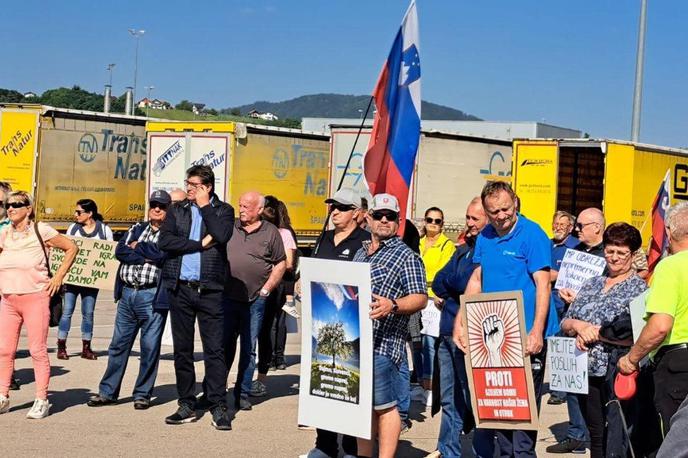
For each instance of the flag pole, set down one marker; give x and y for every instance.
(346, 168)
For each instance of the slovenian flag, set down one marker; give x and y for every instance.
(659, 240)
(388, 164)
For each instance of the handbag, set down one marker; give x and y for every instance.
(56, 300)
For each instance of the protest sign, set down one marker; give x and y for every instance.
(95, 265)
(430, 318)
(576, 267)
(499, 375)
(568, 366)
(336, 386)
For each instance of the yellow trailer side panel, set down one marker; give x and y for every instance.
(619, 183)
(18, 134)
(191, 126)
(535, 171)
(103, 161)
(293, 169)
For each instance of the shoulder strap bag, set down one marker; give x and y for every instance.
(56, 299)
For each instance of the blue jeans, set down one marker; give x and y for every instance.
(403, 389)
(385, 382)
(455, 402)
(428, 354)
(577, 427)
(243, 320)
(134, 312)
(88, 305)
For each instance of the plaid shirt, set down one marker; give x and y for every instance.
(141, 274)
(395, 272)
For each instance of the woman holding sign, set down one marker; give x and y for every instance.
(89, 224)
(435, 250)
(600, 301)
(26, 288)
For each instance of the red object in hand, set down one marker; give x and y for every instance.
(625, 386)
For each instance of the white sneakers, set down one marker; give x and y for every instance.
(4, 404)
(40, 409)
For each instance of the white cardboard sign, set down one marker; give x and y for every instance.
(568, 366)
(577, 267)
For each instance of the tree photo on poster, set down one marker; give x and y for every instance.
(499, 373)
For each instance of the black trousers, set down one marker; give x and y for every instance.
(593, 407)
(326, 442)
(187, 305)
(671, 385)
(518, 443)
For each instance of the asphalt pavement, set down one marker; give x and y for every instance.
(269, 430)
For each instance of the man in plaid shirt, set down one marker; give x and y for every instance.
(399, 289)
(140, 307)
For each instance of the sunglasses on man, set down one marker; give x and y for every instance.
(437, 221)
(390, 215)
(9, 205)
(341, 207)
(154, 205)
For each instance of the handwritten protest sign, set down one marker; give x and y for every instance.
(568, 366)
(576, 267)
(95, 266)
(430, 318)
(499, 375)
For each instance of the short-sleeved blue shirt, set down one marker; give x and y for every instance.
(509, 262)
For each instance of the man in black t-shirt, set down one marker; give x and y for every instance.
(340, 243)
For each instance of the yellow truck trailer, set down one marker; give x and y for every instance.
(63, 155)
(287, 163)
(619, 177)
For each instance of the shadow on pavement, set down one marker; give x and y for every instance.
(25, 375)
(63, 400)
(279, 385)
(407, 450)
(559, 430)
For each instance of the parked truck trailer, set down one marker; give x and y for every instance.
(63, 155)
(621, 178)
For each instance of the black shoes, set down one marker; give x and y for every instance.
(568, 445)
(141, 404)
(221, 419)
(243, 404)
(281, 366)
(184, 414)
(14, 384)
(99, 401)
(202, 402)
(555, 400)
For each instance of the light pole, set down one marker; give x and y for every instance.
(109, 69)
(137, 34)
(149, 89)
(639, 64)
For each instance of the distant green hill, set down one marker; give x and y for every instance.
(341, 106)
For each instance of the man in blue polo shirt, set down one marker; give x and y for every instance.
(514, 253)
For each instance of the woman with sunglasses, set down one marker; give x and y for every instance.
(88, 224)
(601, 301)
(26, 288)
(435, 251)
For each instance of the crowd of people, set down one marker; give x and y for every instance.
(236, 278)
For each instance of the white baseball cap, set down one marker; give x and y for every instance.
(385, 202)
(345, 196)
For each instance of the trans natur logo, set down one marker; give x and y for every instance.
(536, 162)
(88, 147)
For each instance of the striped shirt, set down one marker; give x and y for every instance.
(395, 272)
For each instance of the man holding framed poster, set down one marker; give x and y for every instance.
(514, 255)
(399, 289)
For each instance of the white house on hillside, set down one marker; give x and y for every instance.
(265, 116)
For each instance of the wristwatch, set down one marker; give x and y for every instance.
(395, 306)
(264, 292)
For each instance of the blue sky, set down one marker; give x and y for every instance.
(325, 311)
(567, 63)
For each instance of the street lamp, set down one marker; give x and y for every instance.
(149, 89)
(109, 69)
(136, 34)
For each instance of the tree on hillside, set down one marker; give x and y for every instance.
(184, 105)
(235, 112)
(11, 96)
(332, 341)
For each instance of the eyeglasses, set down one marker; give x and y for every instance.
(155, 205)
(9, 205)
(390, 215)
(191, 184)
(341, 207)
(580, 226)
(621, 254)
(433, 221)
(79, 212)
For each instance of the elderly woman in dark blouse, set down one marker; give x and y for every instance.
(602, 300)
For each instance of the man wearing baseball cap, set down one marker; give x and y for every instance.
(399, 289)
(139, 307)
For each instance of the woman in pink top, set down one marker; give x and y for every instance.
(26, 289)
